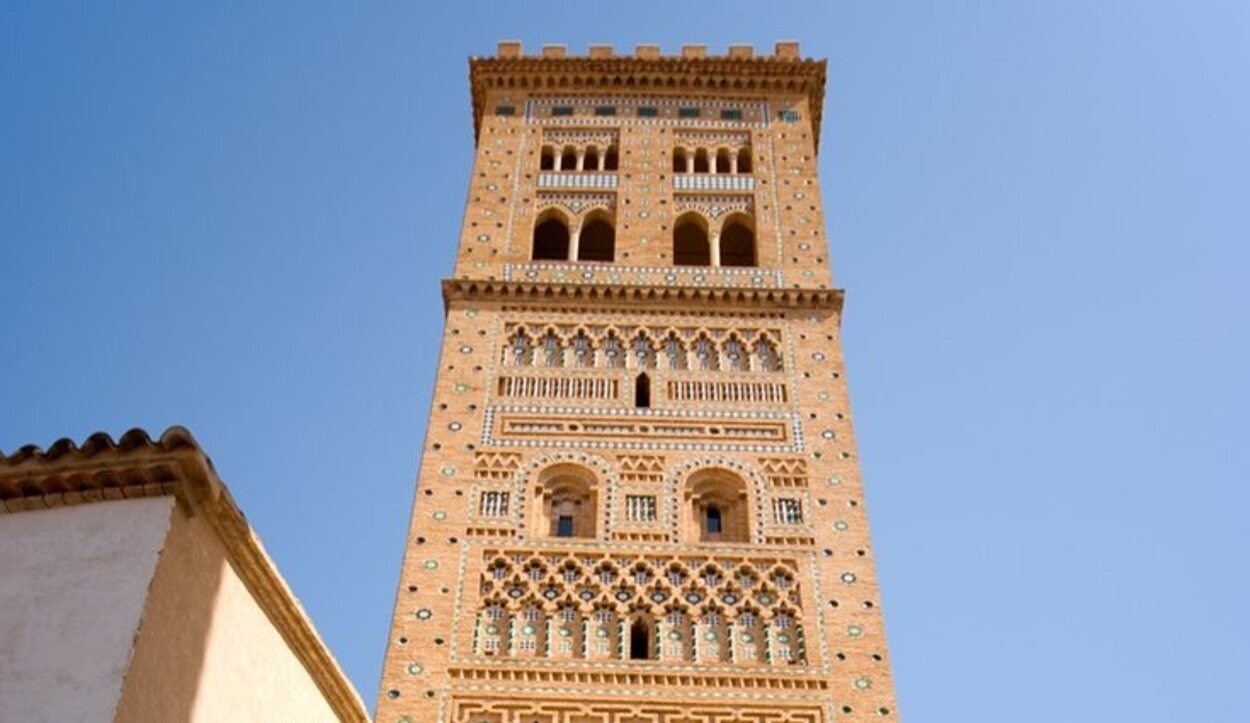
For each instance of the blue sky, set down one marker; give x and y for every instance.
(235, 216)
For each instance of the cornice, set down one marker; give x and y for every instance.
(135, 466)
(751, 76)
(637, 295)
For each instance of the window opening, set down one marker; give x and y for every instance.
(551, 240)
(639, 641)
(713, 520)
(642, 391)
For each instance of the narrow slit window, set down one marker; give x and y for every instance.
(642, 392)
(713, 521)
(639, 641)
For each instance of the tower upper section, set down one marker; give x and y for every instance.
(646, 170)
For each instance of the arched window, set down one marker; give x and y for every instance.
(643, 351)
(639, 640)
(679, 160)
(675, 351)
(611, 159)
(597, 240)
(735, 355)
(551, 238)
(591, 160)
(700, 161)
(766, 356)
(568, 159)
(583, 350)
(567, 500)
(737, 242)
(613, 351)
(522, 350)
(642, 391)
(547, 161)
(744, 159)
(722, 160)
(552, 352)
(719, 507)
(690, 242)
(705, 354)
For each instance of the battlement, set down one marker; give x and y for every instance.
(783, 50)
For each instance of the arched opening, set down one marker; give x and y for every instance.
(551, 239)
(700, 161)
(639, 640)
(719, 507)
(679, 160)
(737, 242)
(690, 242)
(597, 240)
(722, 160)
(590, 161)
(547, 161)
(566, 498)
(642, 391)
(611, 159)
(744, 160)
(568, 159)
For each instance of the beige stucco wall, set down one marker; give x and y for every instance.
(206, 649)
(72, 587)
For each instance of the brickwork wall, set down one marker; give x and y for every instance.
(775, 619)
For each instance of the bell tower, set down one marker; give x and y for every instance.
(639, 499)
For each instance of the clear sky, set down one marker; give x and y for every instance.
(235, 217)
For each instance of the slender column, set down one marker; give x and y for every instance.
(574, 235)
(711, 161)
(603, 159)
(581, 158)
(689, 161)
(733, 162)
(715, 243)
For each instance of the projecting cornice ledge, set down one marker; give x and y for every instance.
(680, 296)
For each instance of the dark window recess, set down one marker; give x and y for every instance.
(562, 110)
(639, 641)
(605, 110)
(648, 111)
(642, 391)
(713, 521)
(789, 116)
(505, 110)
(731, 114)
(687, 112)
(564, 526)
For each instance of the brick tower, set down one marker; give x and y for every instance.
(639, 500)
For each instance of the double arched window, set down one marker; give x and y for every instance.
(593, 240)
(696, 243)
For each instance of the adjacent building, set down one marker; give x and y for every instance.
(132, 589)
